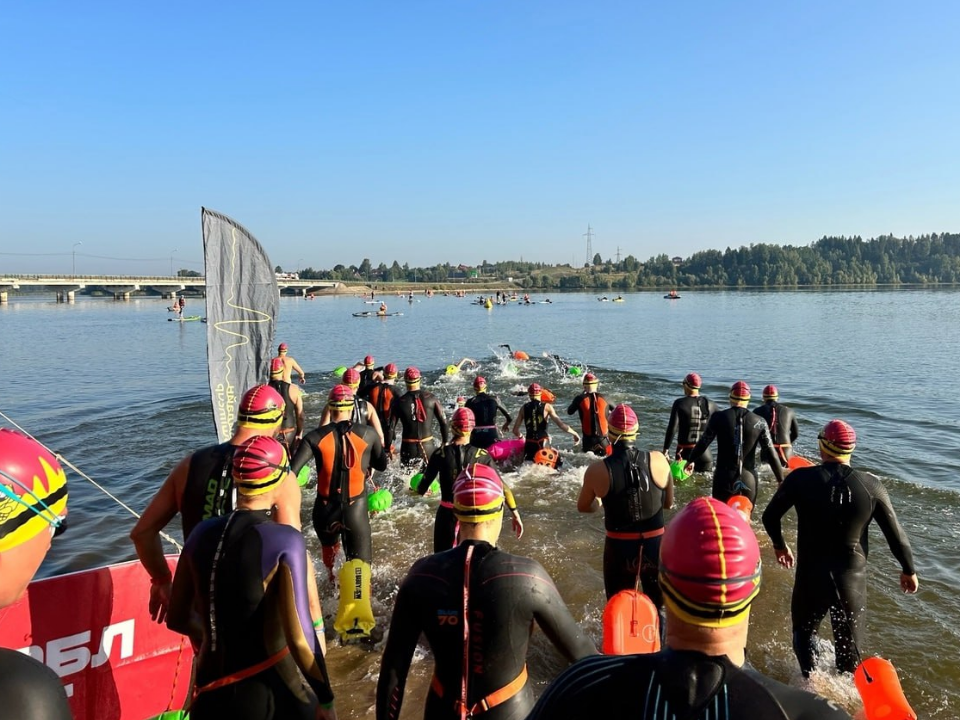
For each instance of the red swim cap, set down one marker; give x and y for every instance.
(477, 494)
(692, 381)
(351, 377)
(259, 463)
(837, 439)
(34, 491)
(282, 348)
(276, 366)
(534, 390)
(368, 361)
(390, 371)
(590, 379)
(260, 407)
(770, 392)
(709, 564)
(546, 456)
(341, 396)
(463, 420)
(740, 391)
(479, 382)
(411, 376)
(623, 422)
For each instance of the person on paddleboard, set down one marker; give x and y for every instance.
(534, 416)
(33, 511)
(710, 573)
(835, 503)
(782, 422)
(201, 487)
(476, 605)
(415, 410)
(363, 412)
(240, 593)
(739, 434)
(634, 488)
(688, 419)
(485, 407)
(291, 426)
(344, 453)
(289, 365)
(594, 414)
(445, 465)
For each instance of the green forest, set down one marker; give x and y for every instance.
(885, 260)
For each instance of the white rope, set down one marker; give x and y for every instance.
(63, 461)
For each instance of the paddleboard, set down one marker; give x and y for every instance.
(190, 318)
(371, 313)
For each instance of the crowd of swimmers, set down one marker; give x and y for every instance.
(245, 591)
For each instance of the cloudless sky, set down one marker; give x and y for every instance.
(467, 130)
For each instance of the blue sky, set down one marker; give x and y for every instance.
(467, 130)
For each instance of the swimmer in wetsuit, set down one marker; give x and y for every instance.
(594, 413)
(834, 505)
(782, 422)
(343, 453)
(291, 426)
(380, 395)
(476, 605)
(240, 593)
(414, 410)
(688, 419)
(739, 433)
(708, 587)
(485, 408)
(363, 412)
(633, 488)
(33, 509)
(445, 465)
(534, 415)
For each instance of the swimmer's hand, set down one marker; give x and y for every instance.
(160, 599)
(784, 557)
(517, 523)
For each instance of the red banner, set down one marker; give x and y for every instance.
(94, 630)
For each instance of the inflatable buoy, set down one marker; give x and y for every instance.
(879, 687)
(379, 500)
(452, 370)
(677, 470)
(505, 449)
(520, 355)
(415, 481)
(742, 505)
(574, 370)
(354, 614)
(795, 461)
(631, 624)
(338, 372)
(303, 477)
(547, 396)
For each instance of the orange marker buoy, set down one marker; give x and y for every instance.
(879, 687)
(631, 624)
(742, 505)
(520, 355)
(547, 396)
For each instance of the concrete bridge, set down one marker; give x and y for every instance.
(123, 286)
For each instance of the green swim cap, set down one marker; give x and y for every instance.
(338, 372)
(379, 500)
(574, 370)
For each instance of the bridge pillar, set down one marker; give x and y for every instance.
(122, 295)
(3, 297)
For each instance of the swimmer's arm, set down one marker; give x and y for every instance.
(181, 614)
(378, 456)
(506, 414)
(442, 420)
(430, 474)
(778, 507)
(374, 421)
(550, 411)
(662, 477)
(518, 423)
(302, 456)
(886, 519)
(324, 417)
(511, 504)
(289, 502)
(671, 429)
(301, 418)
(395, 664)
(794, 429)
(594, 478)
(295, 618)
(774, 457)
(296, 366)
(702, 444)
(557, 623)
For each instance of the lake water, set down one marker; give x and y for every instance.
(122, 394)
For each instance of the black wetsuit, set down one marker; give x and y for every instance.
(343, 453)
(688, 418)
(507, 593)
(782, 422)
(246, 577)
(739, 433)
(835, 505)
(380, 395)
(633, 517)
(415, 410)
(485, 408)
(675, 684)
(288, 426)
(360, 413)
(535, 423)
(208, 491)
(367, 379)
(592, 409)
(30, 690)
(445, 464)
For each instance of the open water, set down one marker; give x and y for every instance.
(122, 394)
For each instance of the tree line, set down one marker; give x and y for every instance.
(884, 260)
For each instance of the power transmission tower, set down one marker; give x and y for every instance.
(618, 254)
(589, 235)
